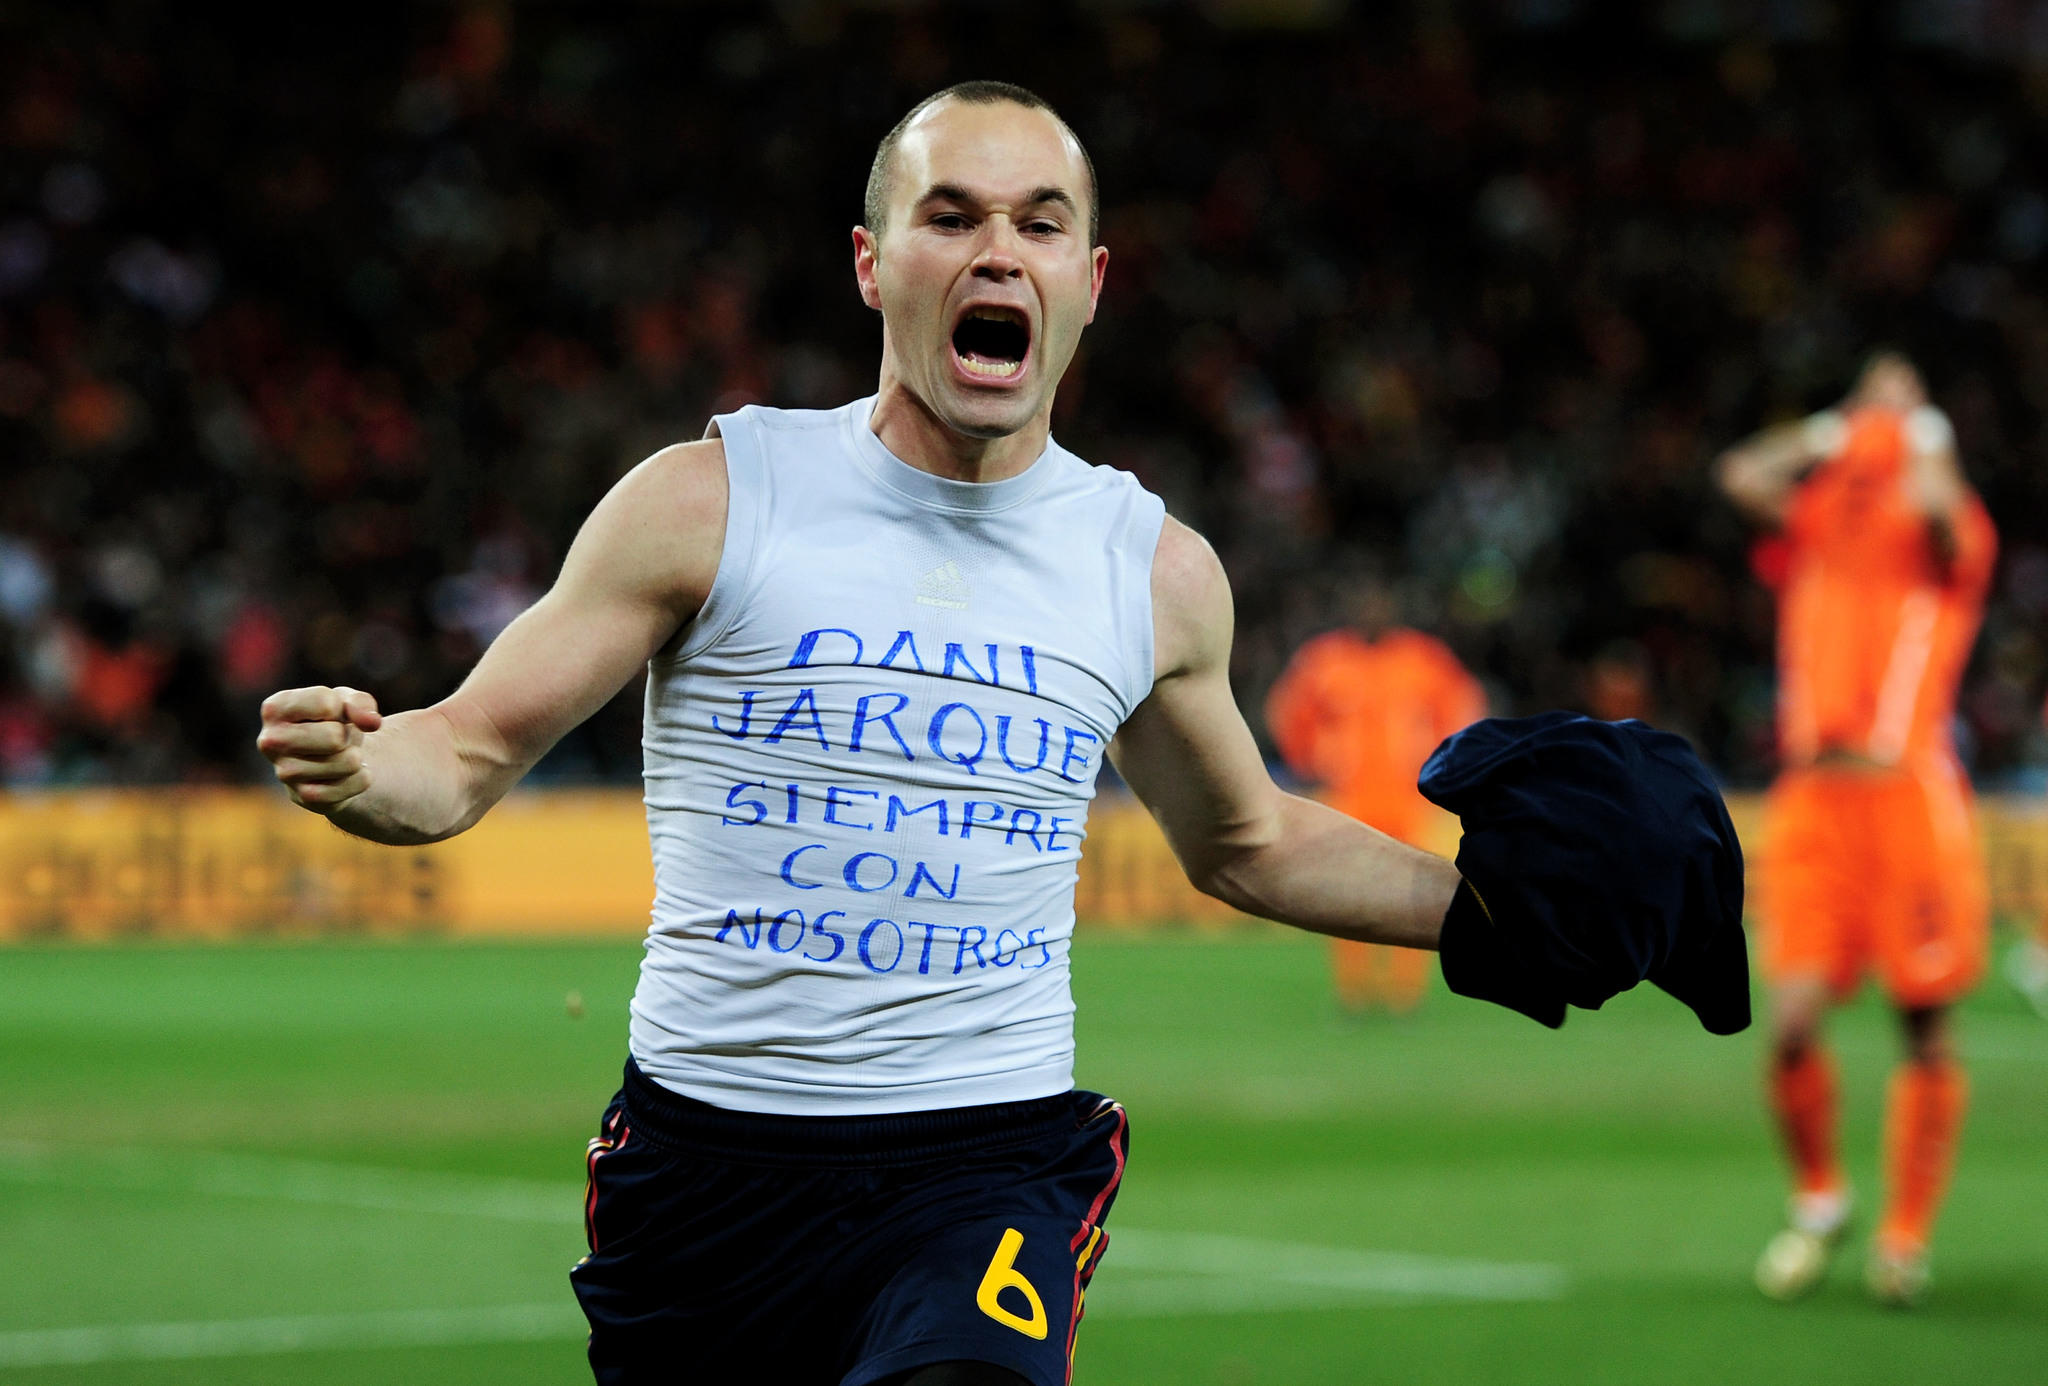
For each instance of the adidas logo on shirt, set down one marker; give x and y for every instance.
(943, 587)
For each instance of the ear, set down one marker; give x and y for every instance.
(1098, 270)
(867, 248)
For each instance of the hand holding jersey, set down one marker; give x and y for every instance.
(1596, 855)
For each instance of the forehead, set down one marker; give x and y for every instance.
(1000, 151)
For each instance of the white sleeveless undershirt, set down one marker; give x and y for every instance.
(868, 767)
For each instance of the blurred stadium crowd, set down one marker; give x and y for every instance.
(319, 336)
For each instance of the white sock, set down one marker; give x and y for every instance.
(1820, 1214)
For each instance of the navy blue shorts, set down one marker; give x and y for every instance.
(841, 1251)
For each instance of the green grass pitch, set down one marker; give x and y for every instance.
(358, 1163)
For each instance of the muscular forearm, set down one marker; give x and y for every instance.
(427, 781)
(640, 568)
(1319, 870)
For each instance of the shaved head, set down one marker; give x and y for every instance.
(989, 270)
(881, 176)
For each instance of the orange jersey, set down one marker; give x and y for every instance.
(1362, 716)
(1873, 628)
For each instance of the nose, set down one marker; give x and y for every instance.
(998, 260)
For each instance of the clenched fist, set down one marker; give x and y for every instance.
(314, 739)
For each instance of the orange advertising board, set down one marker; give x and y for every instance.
(233, 863)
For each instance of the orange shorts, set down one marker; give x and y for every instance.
(1868, 871)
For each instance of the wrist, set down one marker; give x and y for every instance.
(1439, 891)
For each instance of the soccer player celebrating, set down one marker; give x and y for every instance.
(887, 648)
(1873, 863)
(1358, 710)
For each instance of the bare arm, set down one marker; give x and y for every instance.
(640, 568)
(1934, 479)
(1189, 756)
(1760, 473)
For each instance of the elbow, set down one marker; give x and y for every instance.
(1729, 477)
(1759, 503)
(1228, 877)
(1235, 861)
(1204, 871)
(1211, 884)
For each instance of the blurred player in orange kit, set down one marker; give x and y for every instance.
(1358, 710)
(1872, 863)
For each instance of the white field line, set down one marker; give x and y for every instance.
(1146, 1274)
(295, 1181)
(155, 1342)
(1149, 1273)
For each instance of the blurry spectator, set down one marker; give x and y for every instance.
(482, 601)
(298, 322)
(1358, 711)
(1618, 683)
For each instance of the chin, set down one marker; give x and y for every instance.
(988, 418)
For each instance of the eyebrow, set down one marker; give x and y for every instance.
(953, 192)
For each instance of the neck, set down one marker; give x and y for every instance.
(909, 429)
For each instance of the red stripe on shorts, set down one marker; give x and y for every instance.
(598, 1147)
(1116, 1146)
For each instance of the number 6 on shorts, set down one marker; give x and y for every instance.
(1002, 1274)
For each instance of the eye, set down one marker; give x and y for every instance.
(950, 221)
(1043, 228)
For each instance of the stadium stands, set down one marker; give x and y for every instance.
(318, 337)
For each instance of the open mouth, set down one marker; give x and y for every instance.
(992, 341)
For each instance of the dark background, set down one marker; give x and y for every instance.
(319, 333)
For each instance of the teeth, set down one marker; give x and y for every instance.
(996, 314)
(991, 367)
